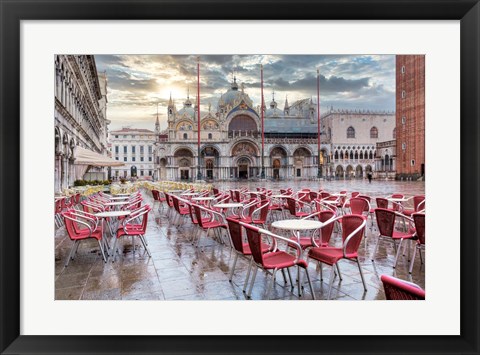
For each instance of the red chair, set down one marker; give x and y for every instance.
(275, 259)
(382, 202)
(419, 221)
(259, 215)
(169, 200)
(359, 206)
(58, 213)
(209, 220)
(132, 229)
(159, 198)
(418, 205)
(397, 289)
(181, 208)
(386, 222)
(320, 237)
(241, 247)
(353, 230)
(79, 228)
(295, 208)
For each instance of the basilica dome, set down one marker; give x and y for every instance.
(233, 97)
(187, 109)
(273, 111)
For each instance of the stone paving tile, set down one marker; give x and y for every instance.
(178, 270)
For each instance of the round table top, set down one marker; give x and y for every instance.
(295, 224)
(112, 214)
(203, 198)
(122, 194)
(339, 194)
(189, 193)
(280, 196)
(119, 198)
(397, 199)
(255, 192)
(117, 203)
(329, 202)
(228, 205)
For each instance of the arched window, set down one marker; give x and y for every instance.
(351, 154)
(356, 155)
(394, 133)
(336, 155)
(374, 132)
(341, 155)
(350, 132)
(361, 154)
(185, 136)
(209, 136)
(370, 156)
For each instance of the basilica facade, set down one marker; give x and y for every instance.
(231, 140)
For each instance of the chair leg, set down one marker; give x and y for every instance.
(290, 278)
(361, 275)
(413, 260)
(339, 274)
(330, 286)
(284, 277)
(320, 265)
(114, 250)
(144, 242)
(248, 275)
(375, 249)
(398, 250)
(270, 283)
(233, 267)
(249, 294)
(70, 255)
(101, 249)
(309, 283)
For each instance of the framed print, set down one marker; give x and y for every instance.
(44, 312)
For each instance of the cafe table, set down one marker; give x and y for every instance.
(110, 214)
(296, 226)
(234, 207)
(118, 198)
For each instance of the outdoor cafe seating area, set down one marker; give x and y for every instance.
(286, 243)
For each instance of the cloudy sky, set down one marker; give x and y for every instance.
(137, 83)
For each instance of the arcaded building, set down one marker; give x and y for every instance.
(410, 116)
(231, 140)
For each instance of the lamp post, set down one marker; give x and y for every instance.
(262, 175)
(319, 174)
(199, 172)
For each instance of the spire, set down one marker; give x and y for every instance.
(170, 101)
(157, 123)
(286, 102)
(234, 84)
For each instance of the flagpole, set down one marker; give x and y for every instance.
(263, 127)
(319, 174)
(199, 172)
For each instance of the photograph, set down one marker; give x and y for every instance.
(241, 177)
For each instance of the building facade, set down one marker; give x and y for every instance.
(231, 140)
(134, 148)
(80, 115)
(410, 116)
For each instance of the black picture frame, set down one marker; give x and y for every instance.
(13, 12)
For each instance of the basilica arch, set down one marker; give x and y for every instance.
(244, 158)
(303, 163)
(278, 162)
(184, 160)
(210, 161)
(243, 124)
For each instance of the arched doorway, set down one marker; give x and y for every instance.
(243, 167)
(210, 158)
(339, 171)
(349, 172)
(301, 159)
(278, 158)
(133, 171)
(184, 160)
(359, 172)
(247, 153)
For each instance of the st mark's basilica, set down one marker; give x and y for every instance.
(231, 140)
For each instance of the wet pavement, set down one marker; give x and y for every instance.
(177, 270)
